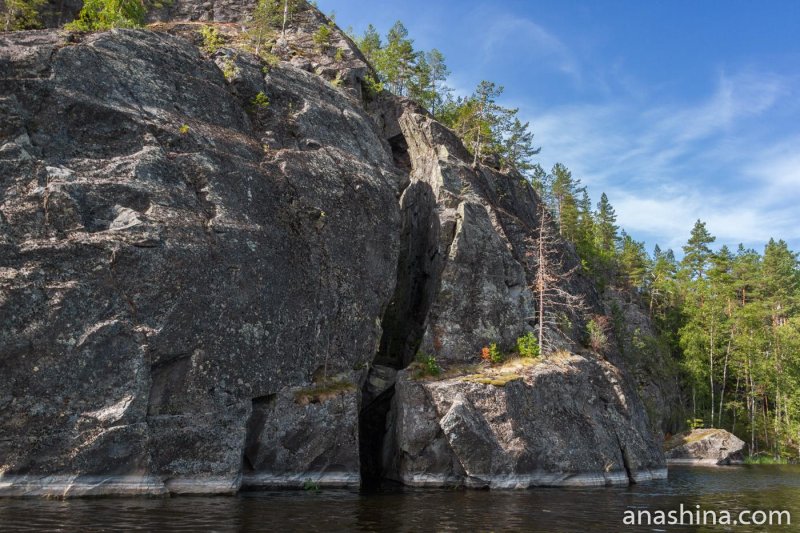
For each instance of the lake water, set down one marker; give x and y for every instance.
(401, 509)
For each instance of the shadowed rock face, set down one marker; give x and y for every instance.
(196, 293)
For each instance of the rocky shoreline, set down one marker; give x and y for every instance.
(200, 296)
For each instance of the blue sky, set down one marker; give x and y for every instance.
(678, 110)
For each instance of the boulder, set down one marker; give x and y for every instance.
(704, 447)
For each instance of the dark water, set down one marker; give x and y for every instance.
(579, 510)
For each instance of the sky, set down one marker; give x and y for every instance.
(678, 110)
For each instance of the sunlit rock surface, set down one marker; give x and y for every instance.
(198, 294)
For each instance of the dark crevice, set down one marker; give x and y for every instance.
(626, 462)
(372, 436)
(400, 152)
(251, 457)
(418, 273)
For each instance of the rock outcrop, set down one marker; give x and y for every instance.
(464, 279)
(567, 421)
(705, 447)
(175, 264)
(647, 360)
(198, 293)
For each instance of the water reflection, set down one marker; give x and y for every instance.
(396, 509)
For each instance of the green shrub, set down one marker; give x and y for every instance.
(492, 354)
(270, 59)
(371, 86)
(310, 486)
(528, 345)
(184, 129)
(596, 328)
(229, 69)
(212, 40)
(428, 365)
(695, 423)
(260, 101)
(339, 56)
(99, 15)
(322, 37)
(21, 14)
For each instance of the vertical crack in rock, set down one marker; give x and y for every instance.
(418, 273)
(376, 403)
(255, 427)
(626, 461)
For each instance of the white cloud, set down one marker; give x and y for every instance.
(664, 165)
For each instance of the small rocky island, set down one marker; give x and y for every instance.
(705, 447)
(199, 295)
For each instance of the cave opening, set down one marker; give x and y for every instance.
(399, 145)
(253, 450)
(374, 435)
(403, 323)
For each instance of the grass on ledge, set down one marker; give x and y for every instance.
(498, 375)
(498, 380)
(764, 460)
(420, 372)
(322, 392)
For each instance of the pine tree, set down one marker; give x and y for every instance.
(397, 60)
(779, 281)
(606, 226)
(541, 181)
(266, 17)
(420, 84)
(370, 44)
(661, 282)
(438, 76)
(584, 241)
(564, 190)
(518, 147)
(484, 118)
(696, 251)
(634, 262)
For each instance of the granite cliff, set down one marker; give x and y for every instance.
(199, 294)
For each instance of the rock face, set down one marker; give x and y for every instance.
(199, 294)
(568, 421)
(173, 264)
(648, 361)
(463, 280)
(705, 447)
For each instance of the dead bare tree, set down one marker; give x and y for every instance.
(550, 285)
(285, 16)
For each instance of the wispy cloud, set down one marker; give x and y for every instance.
(527, 41)
(666, 164)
